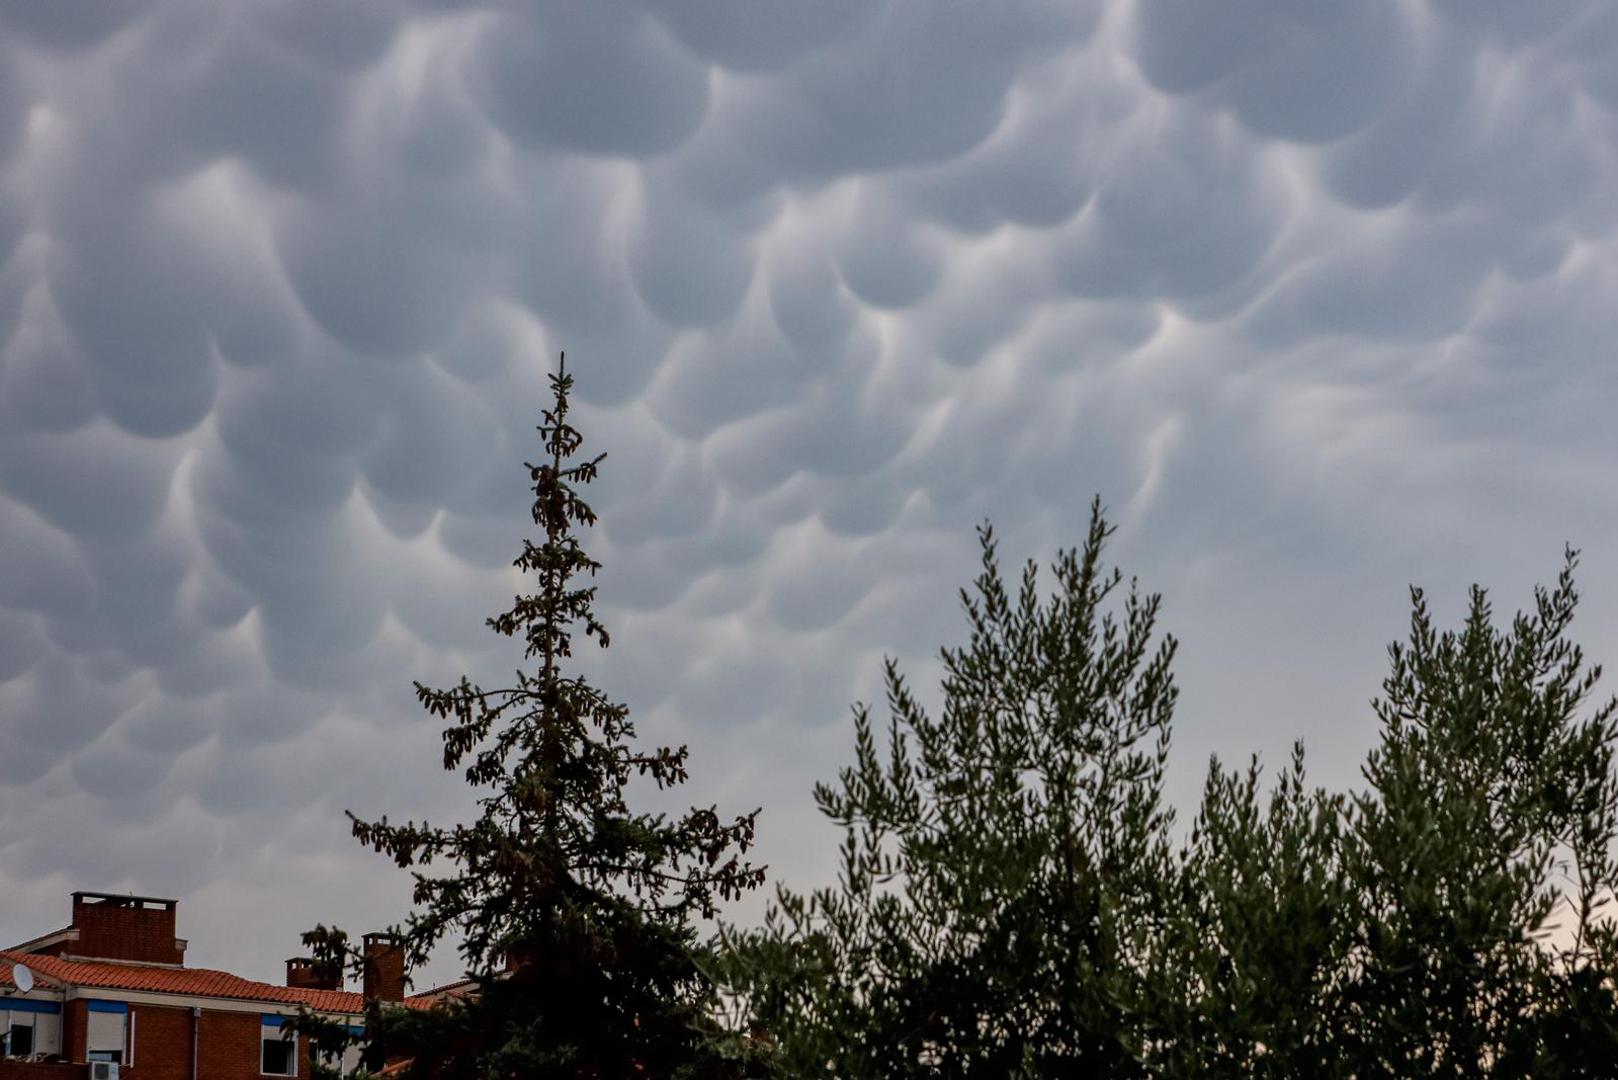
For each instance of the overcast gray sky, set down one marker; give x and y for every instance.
(1319, 296)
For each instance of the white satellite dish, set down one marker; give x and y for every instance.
(22, 977)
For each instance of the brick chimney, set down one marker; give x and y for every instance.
(384, 968)
(304, 974)
(517, 957)
(114, 927)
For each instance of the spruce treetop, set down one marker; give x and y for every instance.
(572, 912)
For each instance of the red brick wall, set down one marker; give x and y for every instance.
(305, 974)
(230, 1048)
(384, 968)
(35, 1070)
(126, 933)
(74, 1029)
(162, 1043)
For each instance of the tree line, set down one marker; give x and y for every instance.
(1015, 896)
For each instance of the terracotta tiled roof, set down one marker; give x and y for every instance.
(460, 988)
(200, 982)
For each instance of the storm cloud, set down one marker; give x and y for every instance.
(1317, 296)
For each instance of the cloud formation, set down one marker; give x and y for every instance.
(1319, 299)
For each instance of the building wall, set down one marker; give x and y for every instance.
(33, 1070)
(228, 1044)
(162, 1043)
(230, 1048)
(144, 934)
(75, 1014)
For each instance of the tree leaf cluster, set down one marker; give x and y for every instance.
(1016, 900)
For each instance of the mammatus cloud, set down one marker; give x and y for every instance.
(1318, 298)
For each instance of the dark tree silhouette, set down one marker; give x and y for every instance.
(1014, 901)
(1005, 862)
(572, 912)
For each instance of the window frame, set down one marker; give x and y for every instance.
(11, 1032)
(119, 1055)
(43, 1017)
(345, 1061)
(271, 1029)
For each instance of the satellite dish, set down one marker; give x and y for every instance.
(22, 977)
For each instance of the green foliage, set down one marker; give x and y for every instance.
(1256, 935)
(1482, 854)
(1015, 899)
(1003, 863)
(572, 912)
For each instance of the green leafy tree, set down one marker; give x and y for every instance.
(1482, 854)
(572, 912)
(1004, 862)
(1256, 935)
(1448, 919)
(1014, 899)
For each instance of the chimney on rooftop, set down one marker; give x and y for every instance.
(384, 968)
(304, 974)
(517, 957)
(112, 926)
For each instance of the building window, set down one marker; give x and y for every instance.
(29, 1027)
(347, 1060)
(105, 1039)
(277, 1053)
(279, 1057)
(20, 1039)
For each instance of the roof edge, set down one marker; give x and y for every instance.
(66, 933)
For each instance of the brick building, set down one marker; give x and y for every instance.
(113, 987)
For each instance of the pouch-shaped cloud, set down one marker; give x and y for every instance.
(1310, 72)
(1314, 294)
(602, 79)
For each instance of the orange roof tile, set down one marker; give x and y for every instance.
(199, 982)
(460, 988)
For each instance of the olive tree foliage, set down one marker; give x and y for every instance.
(1016, 900)
(1003, 862)
(1451, 918)
(1256, 932)
(1483, 853)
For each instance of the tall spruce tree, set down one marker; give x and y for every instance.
(572, 912)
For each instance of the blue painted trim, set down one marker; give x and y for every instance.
(274, 1020)
(24, 1005)
(352, 1030)
(97, 1005)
